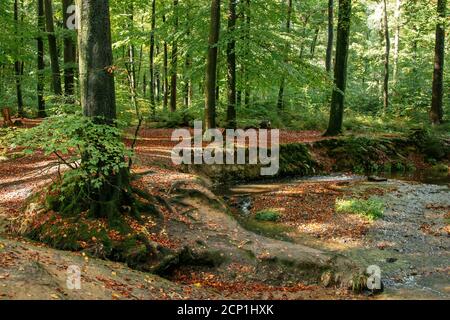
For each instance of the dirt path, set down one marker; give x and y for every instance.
(31, 272)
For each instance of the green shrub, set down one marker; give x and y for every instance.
(372, 208)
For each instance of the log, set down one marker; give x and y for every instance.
(6, 114)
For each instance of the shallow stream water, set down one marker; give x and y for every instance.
(416, 262)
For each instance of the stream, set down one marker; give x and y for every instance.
(410, 243)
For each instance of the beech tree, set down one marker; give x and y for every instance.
(437, 110)
(340, 69)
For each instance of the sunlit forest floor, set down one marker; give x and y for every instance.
(414, 229)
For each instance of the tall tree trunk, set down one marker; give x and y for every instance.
(152, 60)
(231, 65)
(40, 60)
(280, 102)
(398, 16)
(211, 66)
(340, 69)
(386, 57)
(173, 67)
(165, 73)
(188, 66)
(97, 90)
(18, 65)
(437, 110)
(131, 65)
(247, 53)
(98, 100)
(329, 56)
(314, 43)
(53, 48)
(70, 53)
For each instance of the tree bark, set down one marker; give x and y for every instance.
(152, 59)
(40, 60)
(247, 53)
(165, 73)
(329, 55)
(53, 48)
(70, 53)
(340, 69)
(398, 16)
(211, 66)
(437, 110)
(386, 57)
(18, 65)
(173, 81)
(231, 65)
(280, 102)
(96, 61)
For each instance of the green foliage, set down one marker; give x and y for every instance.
(267, 215)
(92, 151)
(372, 208)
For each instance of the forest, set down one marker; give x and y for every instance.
(234, 149)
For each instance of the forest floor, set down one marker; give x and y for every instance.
(310, 232)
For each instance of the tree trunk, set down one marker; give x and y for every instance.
(231, 65)
(314, 43)
(247, 54)
(69, 53)
(166, 73)
(280, 102)
(98, 99)
(40, 60)
(386, 57)
(398, 15)
(152, 60)
(340, 69)
(211, 66)
(131, 65)
(53, 48)
(329, 56)
(96, 60)
(188, 67)
(173, 68)
(437, 110)
(18, 65)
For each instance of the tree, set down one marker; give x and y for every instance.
(165, 71)
(280, 103)
(211, 66)
(386, 57)
(152, 58)
(40, 60)
(69, 52)
(97, 91)
(437, 110)
(329, 55)
(340, 69)
(18, 65)
(231, 65)
(53, 48)
(173, 81)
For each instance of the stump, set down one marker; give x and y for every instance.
(6, 114)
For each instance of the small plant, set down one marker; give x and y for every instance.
(372, 208)
(267, 215)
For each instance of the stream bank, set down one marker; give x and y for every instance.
(410, 243)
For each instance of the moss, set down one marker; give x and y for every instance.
(267, 215)
(266, 228)
(372, 208)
